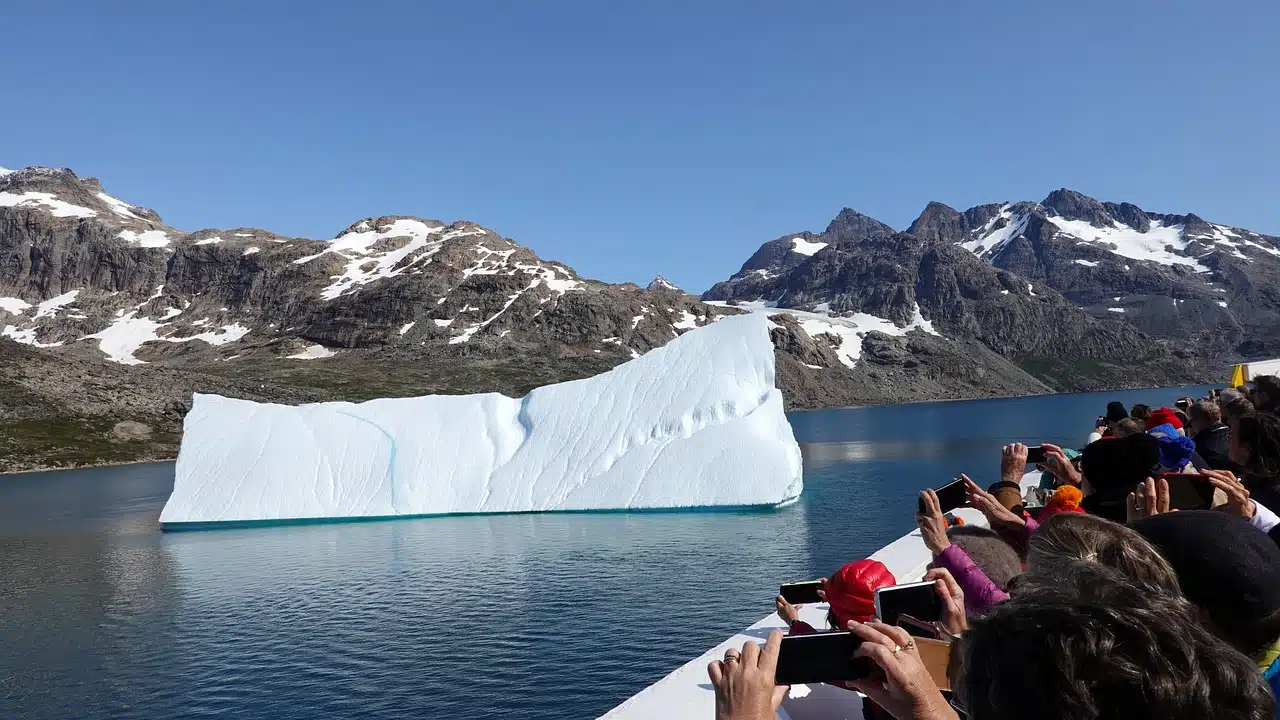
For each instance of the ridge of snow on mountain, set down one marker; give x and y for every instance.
(698, 422)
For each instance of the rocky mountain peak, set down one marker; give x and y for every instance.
(384, 223)
(851, 225)
(661, 284)
(939, 223)
(1072, 205)
(63, 194)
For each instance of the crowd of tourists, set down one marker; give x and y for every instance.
(1096, 594)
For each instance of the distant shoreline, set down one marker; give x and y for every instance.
(817, 410)
(89, 466)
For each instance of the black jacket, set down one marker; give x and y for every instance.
(1212, 445)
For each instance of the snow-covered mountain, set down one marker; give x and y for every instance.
(107, 312)
(1081, 293)
(1178, 277)
(85, 268)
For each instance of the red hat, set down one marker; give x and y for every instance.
(1065, 499)
(1163, 416)
(851, 591)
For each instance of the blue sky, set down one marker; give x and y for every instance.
(633, 138)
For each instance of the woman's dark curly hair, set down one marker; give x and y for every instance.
(1260, 435)
(1101, 646)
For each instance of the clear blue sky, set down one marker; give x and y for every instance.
(634, 138)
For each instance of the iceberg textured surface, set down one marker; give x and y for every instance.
(695, 423)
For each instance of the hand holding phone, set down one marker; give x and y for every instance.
(818, 658)
(950, 497)
(798, 593)
(1188, 491)
(920, 600)
(1036, 455)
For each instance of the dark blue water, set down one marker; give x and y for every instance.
(529, 616)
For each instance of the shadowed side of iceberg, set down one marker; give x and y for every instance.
(696, 423)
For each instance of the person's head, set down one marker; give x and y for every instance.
(1116, 411)
(1176, 449)
(1236, 409)
(1128, 653)
(1067, 538)
(1255, 444)
(1227, 568)
(1126, 427)
(1115, 466)
(1161, 416)
(1266, 393)
(1008, 494)
(1140, 411)
(995, 557)
(851, 591)
(1204, 414)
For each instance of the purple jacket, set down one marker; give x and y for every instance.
(980, 593)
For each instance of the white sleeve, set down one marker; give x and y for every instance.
(1263, 519)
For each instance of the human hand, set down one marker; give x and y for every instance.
(1151, 498)
(1013, 462)
(905, 690)
(953, 619)
(743, 681)
(933, 526)
(1238, 502)
(788, 612)
(986, 503)
(1057, 462)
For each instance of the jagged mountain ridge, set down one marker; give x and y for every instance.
(80, 267)
(1083, 293)
(1178, 277)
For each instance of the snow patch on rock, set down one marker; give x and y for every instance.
(312, 352)
(49, 201)
(146, 238)
(806, 247)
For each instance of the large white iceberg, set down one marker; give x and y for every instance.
(696, 423)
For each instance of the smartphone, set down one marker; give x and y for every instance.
(917, 628)
(1036, 455)
(801, 592)
(950, 497)
(1101, 421)
(1188, 491)
(919, 600)
(819, 658)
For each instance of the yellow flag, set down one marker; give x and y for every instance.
(1237, 376)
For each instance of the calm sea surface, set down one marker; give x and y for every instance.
(527, 616)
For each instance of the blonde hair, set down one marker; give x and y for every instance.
(1072, 537)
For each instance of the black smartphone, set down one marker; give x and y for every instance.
(919, 600)
(1188, 491)
(819, 658)
(950, 497)
(801, 592)
(1036, 455)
